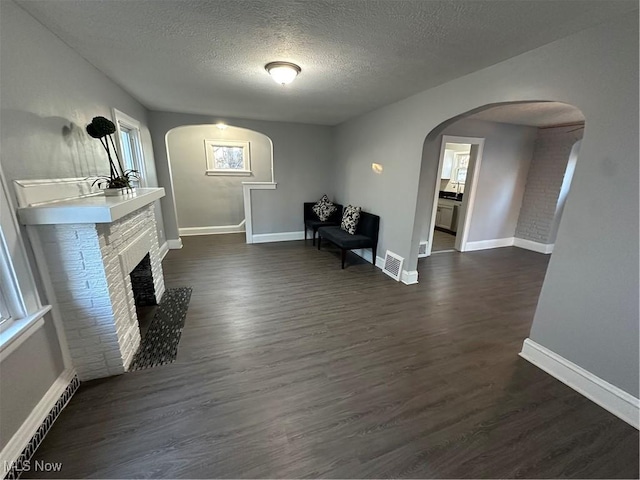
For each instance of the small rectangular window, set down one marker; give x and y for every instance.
(130, 146)
(227, 157)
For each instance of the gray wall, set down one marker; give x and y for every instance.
(303, 162)
(25, 376)
(49, 95)
(501, 181)
(539, 215)
(588, 308)
(209, 201)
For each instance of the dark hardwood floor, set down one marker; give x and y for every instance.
(290, 367)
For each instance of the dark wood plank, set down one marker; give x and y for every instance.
(290, 367)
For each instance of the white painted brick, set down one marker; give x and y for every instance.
(113, 354)
(102, 329)
(116, 370)
(78, 352)
(110, 337)
(87, 341)
(95, 359)
(93, 294)
(546, 172)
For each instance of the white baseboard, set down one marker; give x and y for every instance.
(409, 277)
(533, 246)
(367, 254)
(487, 244)
(174, 244)
(30, 426)
(190, 231)
(164, 249)
(609, 397)
(277, 237)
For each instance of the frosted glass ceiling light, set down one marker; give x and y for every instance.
(282, 72)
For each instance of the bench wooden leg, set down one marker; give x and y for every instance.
(344, 254)
(373, 256)
(305, 233)
(314, 236)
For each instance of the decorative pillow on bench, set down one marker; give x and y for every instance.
(324, 208)
(350, 219)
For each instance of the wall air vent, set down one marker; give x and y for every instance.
(422, 250)
(393, 265)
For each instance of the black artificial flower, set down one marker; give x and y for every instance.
(100, 127)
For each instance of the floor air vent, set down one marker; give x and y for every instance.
(422, 250)
(393, 265)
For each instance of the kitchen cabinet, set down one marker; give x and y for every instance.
(447, 214)
(444, 216)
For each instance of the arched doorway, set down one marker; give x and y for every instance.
(519, 154)
(211, 166)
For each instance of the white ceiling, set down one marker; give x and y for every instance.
(208, 57)
(538, 114)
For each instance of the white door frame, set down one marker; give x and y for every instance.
(468, 199)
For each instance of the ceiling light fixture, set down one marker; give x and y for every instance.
(283, 72)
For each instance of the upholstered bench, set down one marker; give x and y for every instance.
(313, 223)
(366, 236)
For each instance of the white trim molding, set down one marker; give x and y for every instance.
(174, 244)
(46, 190)
(163, 250)
(533, 246)
(20, 330)
(465, 211)
(247, 187)
(487, 244)
(276, 237)
(210, 146)
(620, 403)
(124, 121)
(212, 230)
(38, 415)
(409, 277)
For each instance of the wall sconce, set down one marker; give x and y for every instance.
(377, 168)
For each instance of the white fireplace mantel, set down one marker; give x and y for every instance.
(88, 247)
(88, 209)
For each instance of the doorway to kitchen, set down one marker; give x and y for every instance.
(459, 161)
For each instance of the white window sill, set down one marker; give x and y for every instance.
(239, 173)
(20, 330)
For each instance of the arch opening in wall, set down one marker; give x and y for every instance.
(496, 199)
(213, 168)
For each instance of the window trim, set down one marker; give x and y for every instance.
(20, 291)
(14, 302)
(246, 154)
(121, 119)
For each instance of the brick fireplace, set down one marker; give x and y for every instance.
(96, 269)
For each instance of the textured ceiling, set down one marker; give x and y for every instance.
(538, 114)
(356, 55)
